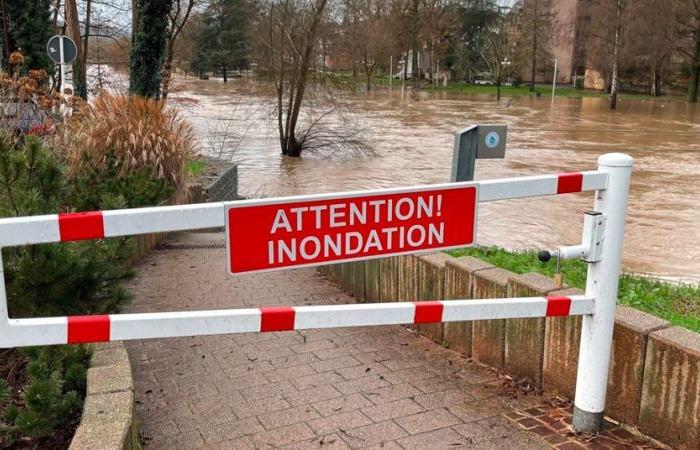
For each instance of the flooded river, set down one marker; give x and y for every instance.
(411, 137)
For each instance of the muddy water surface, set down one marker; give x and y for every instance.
(411, 136)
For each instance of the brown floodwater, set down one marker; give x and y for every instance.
(410, 137)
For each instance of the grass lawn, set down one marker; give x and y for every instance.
(194, 167)
(544, 89)
(679, 303)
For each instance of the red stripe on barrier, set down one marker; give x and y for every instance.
(279, 318)
(569, 182)
(83, 329)
(80, 226)
(558, 306)
(428, 312)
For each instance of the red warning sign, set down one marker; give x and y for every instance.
(313, 230)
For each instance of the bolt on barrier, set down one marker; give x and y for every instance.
(435, 217)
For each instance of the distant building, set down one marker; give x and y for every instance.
(571, 22)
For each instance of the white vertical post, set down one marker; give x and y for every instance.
(601, 285)
(63, 66)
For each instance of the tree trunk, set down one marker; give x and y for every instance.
(405, 69)
(498, 91)
(134, 16)
(369, 80)
(168, 68)
(533, 68)
(655, 88)
(224, 73)
(415, 70)
(694, 84)
(79, 69)
(616, 49)
(292, 147)
(86, 38)
(6, 40)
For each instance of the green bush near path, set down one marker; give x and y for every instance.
(679, 303)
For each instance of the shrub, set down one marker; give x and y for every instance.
(141, 134)
(49, 280)
(94, 187)
(52, 396)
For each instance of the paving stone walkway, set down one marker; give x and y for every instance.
(374, 387)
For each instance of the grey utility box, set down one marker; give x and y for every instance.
(492, 141)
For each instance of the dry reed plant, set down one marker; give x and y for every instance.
(140, 133)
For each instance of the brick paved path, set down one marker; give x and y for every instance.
(380, 387)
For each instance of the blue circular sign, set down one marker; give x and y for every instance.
(492, 139)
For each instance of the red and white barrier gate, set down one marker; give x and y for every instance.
(273, 234)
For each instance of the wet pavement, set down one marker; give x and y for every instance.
(367, 387)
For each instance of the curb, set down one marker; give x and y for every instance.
(108, 421)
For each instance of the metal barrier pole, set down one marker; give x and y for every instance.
(601, 284)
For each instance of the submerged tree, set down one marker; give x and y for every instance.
(148, 47)
(288, 38)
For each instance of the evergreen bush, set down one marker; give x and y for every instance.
(59, 279)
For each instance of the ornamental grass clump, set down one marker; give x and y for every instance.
(139, 133)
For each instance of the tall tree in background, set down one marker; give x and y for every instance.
(477, 17)
(178, 18)
(223, 42)
(29, 29)
(648, 38)
(609, 19)
(439, 20)
(148, 47)
(73, 29)
(688, 30)
(536, 25)
(499, 52)
(289, 34)
(5, 34)
(366, 34)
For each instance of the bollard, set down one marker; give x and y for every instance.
(601, 284)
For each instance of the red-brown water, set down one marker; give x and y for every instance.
(412, 135)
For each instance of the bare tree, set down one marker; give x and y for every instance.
(536, 25)
(439, 19)
(688, 32)
(366, 34)
(179, 15)
(648, 37)
(498, 54)
(608, 21)
(289, 38)
(73, 28)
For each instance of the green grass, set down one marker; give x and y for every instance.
(194, 167)
(524, 90)
(679, 303)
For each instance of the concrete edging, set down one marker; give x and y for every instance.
(108, 421)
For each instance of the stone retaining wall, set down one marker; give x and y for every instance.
(654, 381)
